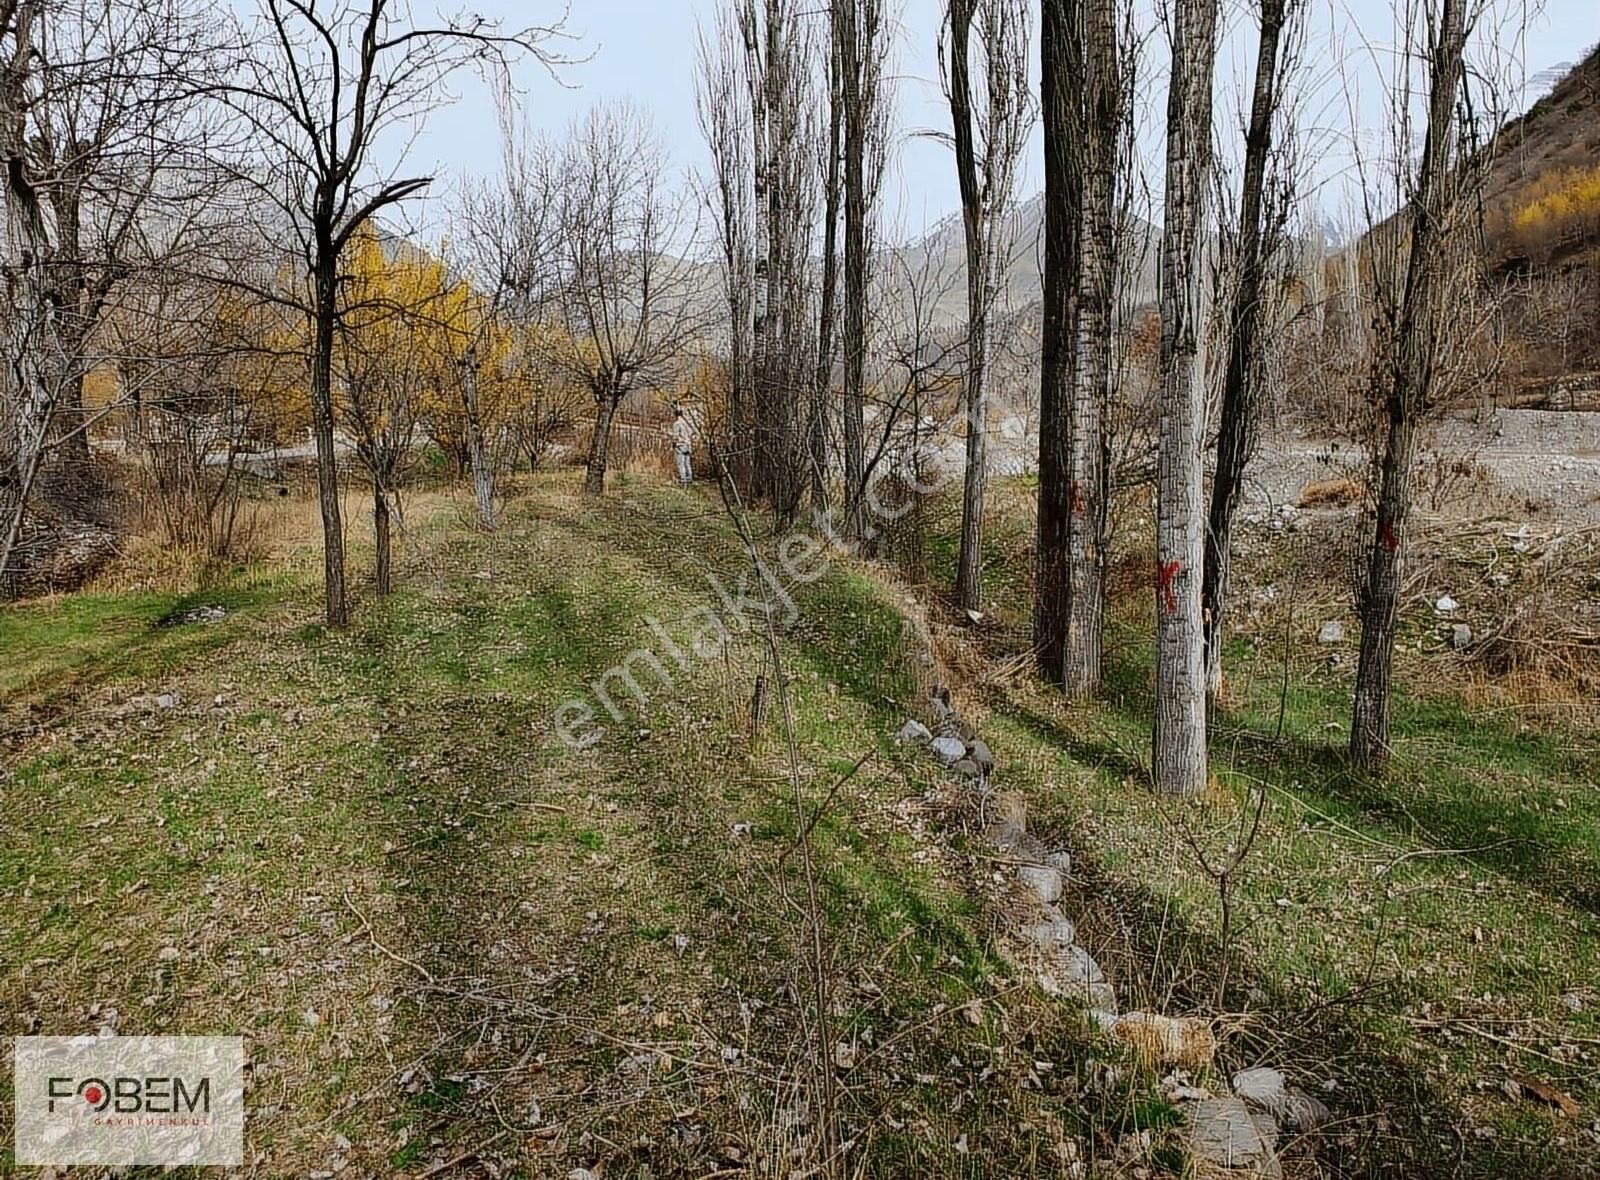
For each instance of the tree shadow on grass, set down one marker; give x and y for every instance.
(1438, 791)
(1436, 802)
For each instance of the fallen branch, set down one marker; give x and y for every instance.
(463, 1158)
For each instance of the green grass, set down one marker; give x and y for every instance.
(101, 636)
(376, 858)
(1425, 924)
(372, 852)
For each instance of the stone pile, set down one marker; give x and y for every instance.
(1228, 1135)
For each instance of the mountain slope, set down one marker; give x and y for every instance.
(1542, 194)
(942, 252)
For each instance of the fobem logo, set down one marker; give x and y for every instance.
(129, 1100)
(135, 1095)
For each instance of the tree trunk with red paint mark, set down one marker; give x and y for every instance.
(1417, 349)
(1178, 765)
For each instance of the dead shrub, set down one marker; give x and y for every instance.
(1543, 639)
(1332, 493)
(1134, 573)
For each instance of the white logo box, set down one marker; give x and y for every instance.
(129, 1100)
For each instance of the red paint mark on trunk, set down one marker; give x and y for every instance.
(1077, 500)
(1386, 535)
(1169, 596)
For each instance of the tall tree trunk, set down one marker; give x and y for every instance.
(1380, 609)
(326, 308)
(1063, 202)
(740, 461)
(848, 33)
(1086, 442)
(380, 535)
(969, 561)
(817, 426)
(1416, 354)
(777, 395)
(1179, 757)
(605, 411)
(73, 324)
(477, 456)
(29, 397)
(1241, 394)
(14, 505)
(758, 51)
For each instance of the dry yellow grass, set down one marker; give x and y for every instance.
(1331, 493)
(1184, 1041)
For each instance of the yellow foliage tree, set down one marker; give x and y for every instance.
(1561, 209)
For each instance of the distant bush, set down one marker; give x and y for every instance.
(1558, 212)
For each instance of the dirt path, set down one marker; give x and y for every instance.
(457, 946)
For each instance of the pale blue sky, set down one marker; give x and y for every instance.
(644, 50)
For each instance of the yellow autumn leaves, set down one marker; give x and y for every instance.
(410, 328)
(1559, 209)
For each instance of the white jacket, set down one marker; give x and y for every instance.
(682, 435)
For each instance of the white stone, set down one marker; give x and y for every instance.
(949, 750)
(1056, 932)
(1043, 880)
(1263, 1085)
(1223, 1132)
(1083, 967)
(1446, 605)
(1267, 1088)
(1302, 1111)
(1332, 632)
(1071, 971)
(914, 732)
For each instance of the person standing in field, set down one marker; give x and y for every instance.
(682, 446)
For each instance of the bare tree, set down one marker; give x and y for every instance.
(860, 39)
(33, 360)
(988, 134)
(623, 301)
(497, 250)
(1060, 58)
(1179, 759)
(548, 399)
(99, 131)
(381, 408)
(828, 305)
(318, 90)
(722, 101)
(1265, 203)
(1104, 115)
(388, 334)
(105, 139)
(1411, 337)
(196, 376)
(1091, 436)
(1086, 120)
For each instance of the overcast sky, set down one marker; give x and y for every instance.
(644, 50)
